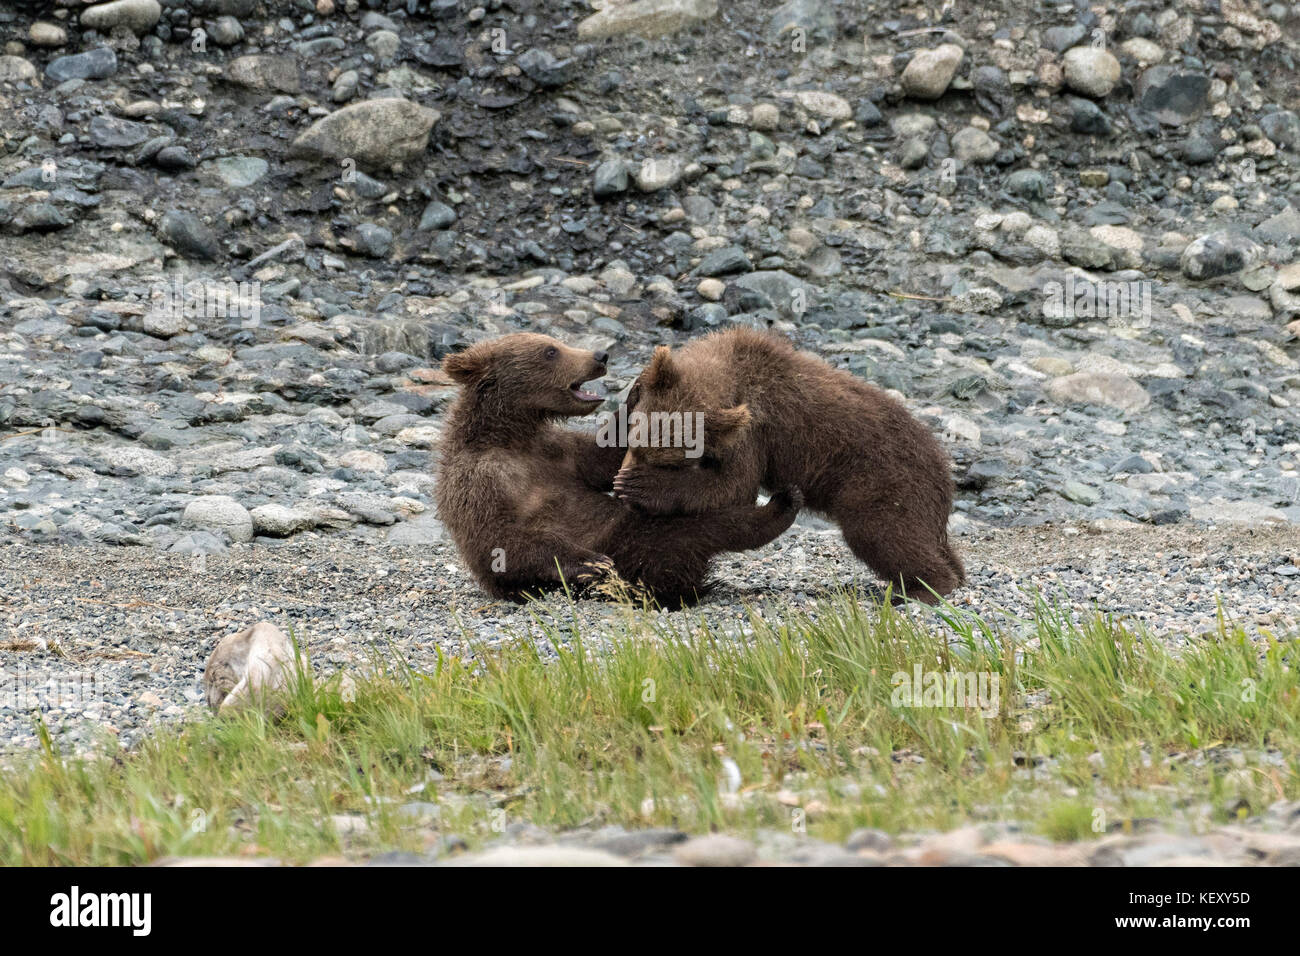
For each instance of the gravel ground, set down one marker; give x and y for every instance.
(117, 638)
(1267, 844)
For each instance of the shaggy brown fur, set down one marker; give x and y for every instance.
(525, 500)
(778, 418)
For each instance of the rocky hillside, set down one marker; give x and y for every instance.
(236, 236)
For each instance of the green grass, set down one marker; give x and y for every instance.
(647, 723)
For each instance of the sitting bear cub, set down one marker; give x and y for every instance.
(778, 418)
(525, 499)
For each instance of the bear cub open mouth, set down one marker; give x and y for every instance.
(582, 395)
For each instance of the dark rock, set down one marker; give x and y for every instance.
(725, 261)
(1087, 117)
(1175, 96)
(187, 234)
(544, 69)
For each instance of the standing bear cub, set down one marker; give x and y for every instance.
(778, 418)
(526, 501)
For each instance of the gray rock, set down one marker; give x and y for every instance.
(512, 856)
(1173, 94)
(264, 72)
(1060, 39)
(384, 44)
(655, 174)
(278, 521)
(97, 64)
(198, 542)
(972, 145)
(790, 295)
(868, 839)
(374, 240)
(175, 158)
(419, 531)
(112, 132)
(1283, 227)
(611, 179)
(437, 215)
(236, 172)
(1282, 127)
(376, 133)
(1087, 117)
(816, 18)
(725, 261)
(1029, 184)
(345, 86)
(225, 31)
(39, 217)
(1219, 254)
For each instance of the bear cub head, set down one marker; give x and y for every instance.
(530, 373)
(662, 389)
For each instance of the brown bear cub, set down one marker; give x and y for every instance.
(778, 418)
(526, 502)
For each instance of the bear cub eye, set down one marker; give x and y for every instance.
(552, 351)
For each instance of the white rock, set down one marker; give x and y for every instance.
(47, 34)
(648, 18)
(825, 106)
(765, 116)
(14, 69)
(1091, 71)
(249, 667)
(929, 72)
(711, 289)
(163, 323)
(1221, 511)
(139, 16)
(659, 173)
(219, 513)
(279, 521)
(361, 460)
(716, 849)
(1095, 388)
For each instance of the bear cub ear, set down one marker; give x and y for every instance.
(725, 425)
(464, 367)
(660, 373)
